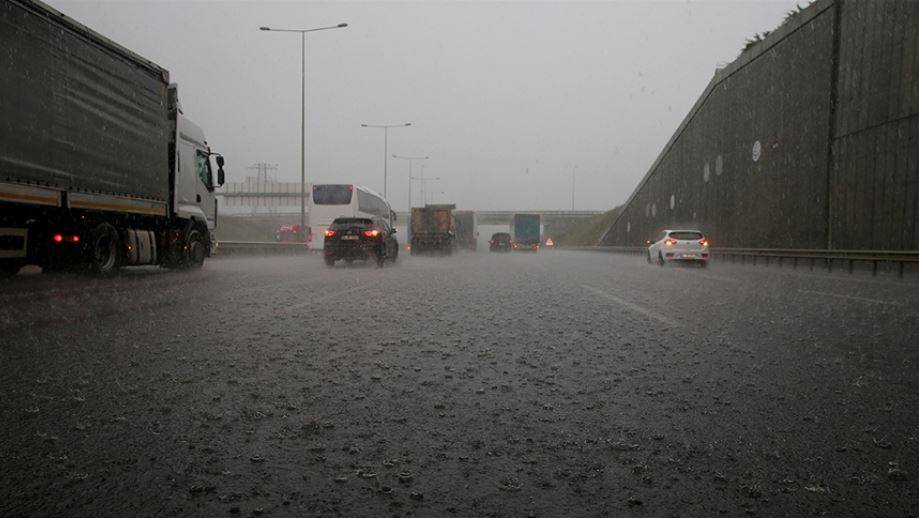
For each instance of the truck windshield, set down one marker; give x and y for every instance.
(332, 194)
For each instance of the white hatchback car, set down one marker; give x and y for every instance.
(679, 245)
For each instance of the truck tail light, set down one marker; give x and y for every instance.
(329, 232)
(75, 239)
(58, 238)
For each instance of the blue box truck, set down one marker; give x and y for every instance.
(525, 232)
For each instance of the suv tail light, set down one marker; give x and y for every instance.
(329, 232)
(670, 242)
(371, 233)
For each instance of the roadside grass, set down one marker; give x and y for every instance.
(588, 232)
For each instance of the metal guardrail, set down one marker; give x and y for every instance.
(900, 258)
(262, 247)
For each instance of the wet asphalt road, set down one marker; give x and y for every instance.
(556, 384)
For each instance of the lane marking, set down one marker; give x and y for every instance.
(634, 307)
(852, 297)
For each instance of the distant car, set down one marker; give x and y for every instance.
(287, 234)
(360, 239)
(500, 242)
(679, 245)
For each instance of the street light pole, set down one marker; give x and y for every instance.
(302, 33)
(410, 160)
(424, 190)
(386, 149)
(573, 171)
(303, 233)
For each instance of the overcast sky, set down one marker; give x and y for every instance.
(506, 98)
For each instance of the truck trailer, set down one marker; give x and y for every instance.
(466, 233)
(433, 229)
(99, 168)
(525, 233)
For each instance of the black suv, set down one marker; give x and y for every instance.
(360, 238)
(500, 242)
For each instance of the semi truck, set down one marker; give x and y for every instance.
(433, 229)
(99, 167)
(525, 233)
(466, 234)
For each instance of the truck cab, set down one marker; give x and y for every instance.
(194, 196)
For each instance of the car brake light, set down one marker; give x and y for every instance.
(75, 239)
(371, 233)
(670, 242)
(704, 242)
(58, 238)
(329, 232)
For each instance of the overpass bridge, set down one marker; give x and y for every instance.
(502, 217)
(259, 223)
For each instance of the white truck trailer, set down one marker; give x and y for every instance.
(99, 168)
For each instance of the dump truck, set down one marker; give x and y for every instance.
(466, 233)
(525, 232)
(433, 229)
(99, 168)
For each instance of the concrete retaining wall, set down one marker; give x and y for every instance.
(808, 140)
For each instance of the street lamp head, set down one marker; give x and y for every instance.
(342, 25)
(408, 123)
(363, 125)
(264, 28)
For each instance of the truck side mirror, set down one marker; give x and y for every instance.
(221, 177)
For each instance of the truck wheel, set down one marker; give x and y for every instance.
(197, 250)
(103, 257)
